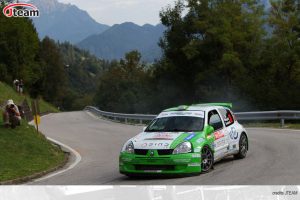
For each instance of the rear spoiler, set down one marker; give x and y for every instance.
(227, 105)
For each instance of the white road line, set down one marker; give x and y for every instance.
(74, 152)
(77, 160)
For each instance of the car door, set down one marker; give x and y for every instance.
(230, 131)
(220, 144)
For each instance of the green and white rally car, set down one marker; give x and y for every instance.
(184, 140)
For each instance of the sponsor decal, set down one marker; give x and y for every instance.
(190, 137)
(233, 133)
(198, 149)
(219, 143)
(200, 140)
(159, 139)
(194, 165)
(218, 135)
(21, 10)
(155, 144)
(213, 145)
(163, 115)
(184, 113)
(230, 118)
(161, 136)
(155, 140)
(196, 156)
(182, 160)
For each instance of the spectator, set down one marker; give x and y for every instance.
(11, 115)
(16, 84)
(21, 86)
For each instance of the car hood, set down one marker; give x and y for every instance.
(162, 140)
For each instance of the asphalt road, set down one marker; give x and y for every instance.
(273, 158)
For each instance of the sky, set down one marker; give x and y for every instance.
(118, 11)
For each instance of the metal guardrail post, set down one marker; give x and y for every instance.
(282, 123)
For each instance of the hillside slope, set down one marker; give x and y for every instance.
(7, 92)
(25, 152)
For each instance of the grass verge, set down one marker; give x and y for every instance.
(272, 125)
(25, 152)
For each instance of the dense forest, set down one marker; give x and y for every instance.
(60, 73)
(213, 51)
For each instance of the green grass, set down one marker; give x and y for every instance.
(7, 92)
(25, 152)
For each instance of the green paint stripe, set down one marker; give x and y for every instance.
(178, 140)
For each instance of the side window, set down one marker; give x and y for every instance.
(231, 117)
(227, 116)
(214, 120)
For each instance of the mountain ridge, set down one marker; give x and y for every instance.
(121, 38)
(73, 23)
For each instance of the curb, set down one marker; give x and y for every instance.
(39, 174)
(71, 166)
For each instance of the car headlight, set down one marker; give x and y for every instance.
(185, 147)
(129, 148)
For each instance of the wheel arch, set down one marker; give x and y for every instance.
(210, 148)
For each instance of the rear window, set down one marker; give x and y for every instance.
(227, 116)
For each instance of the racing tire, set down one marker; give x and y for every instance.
(207, 159)
(243, 147)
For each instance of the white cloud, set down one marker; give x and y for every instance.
(119, 11)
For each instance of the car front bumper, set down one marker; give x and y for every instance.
(168, 164)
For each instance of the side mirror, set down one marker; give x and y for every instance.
(208, 130)
(144, 128)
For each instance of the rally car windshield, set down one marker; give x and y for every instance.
(176, 124)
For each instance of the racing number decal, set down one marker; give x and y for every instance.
(233, 133)
(230, 118)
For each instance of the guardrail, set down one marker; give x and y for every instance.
(280, 115)
(117, 116)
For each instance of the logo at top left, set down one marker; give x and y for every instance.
(21, 10)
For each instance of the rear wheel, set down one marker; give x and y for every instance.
(243, 147)
(207, 159)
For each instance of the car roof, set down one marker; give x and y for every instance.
(200, 107)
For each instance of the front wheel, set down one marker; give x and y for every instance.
(243, 147)
(207, 159)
